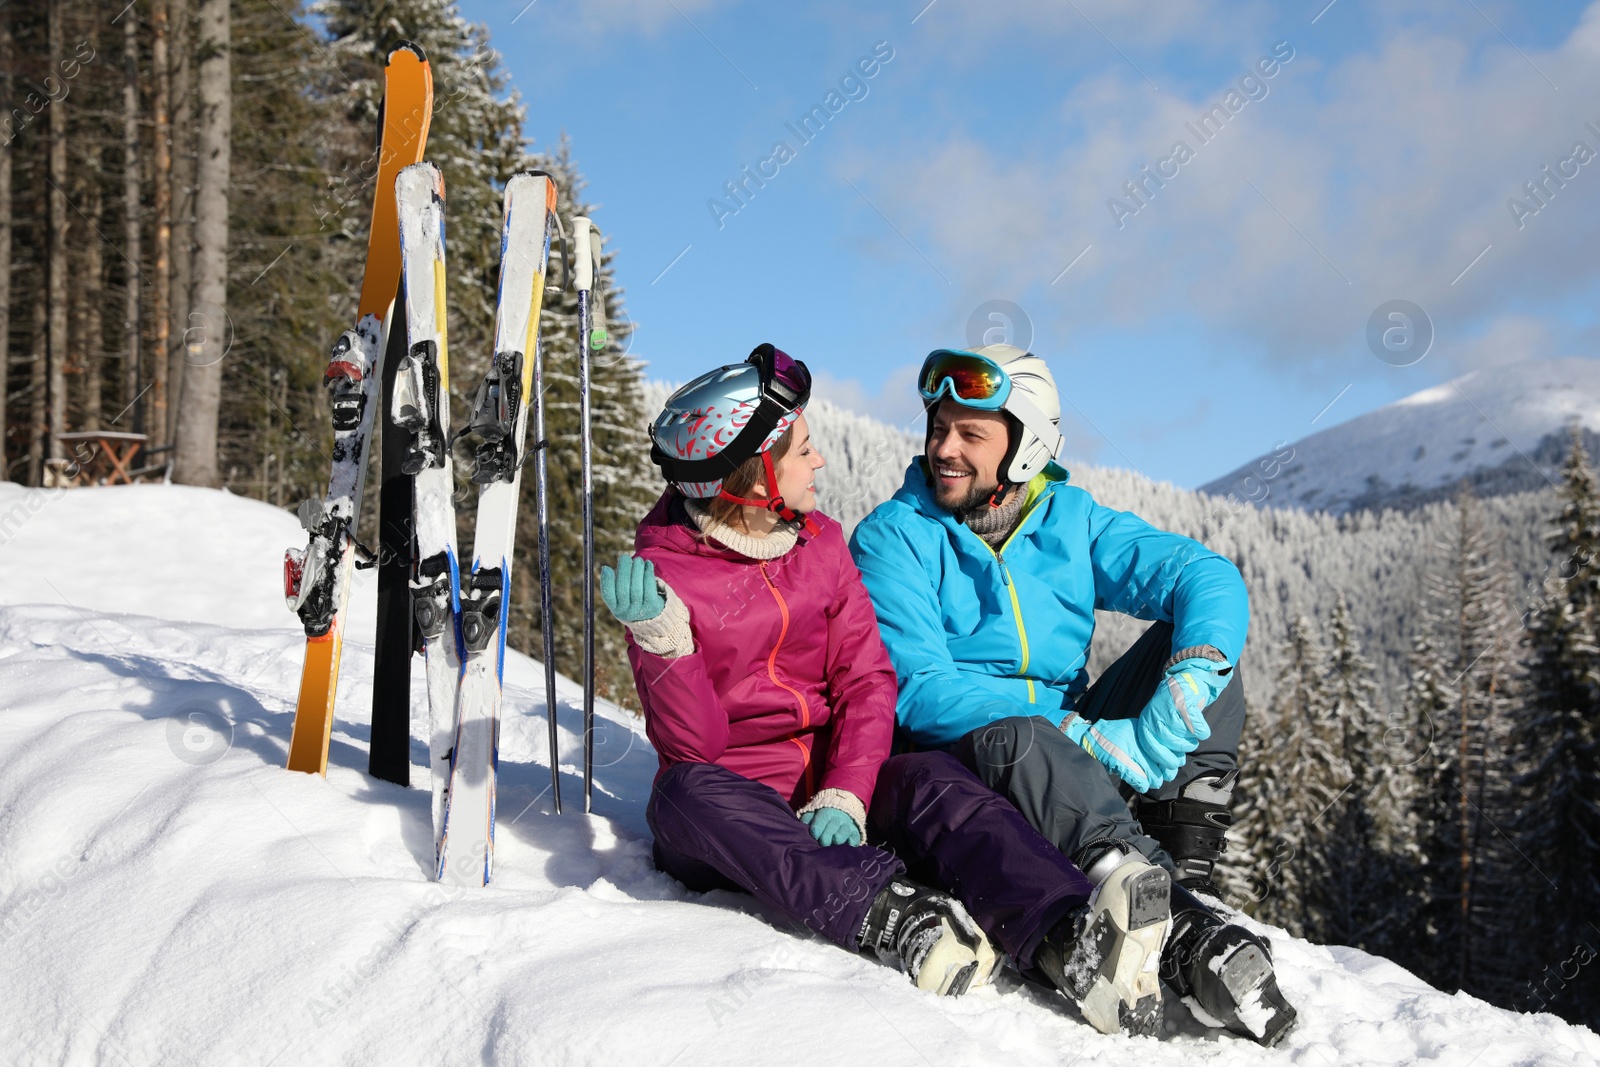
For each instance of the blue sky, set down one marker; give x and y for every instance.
(1220, 311)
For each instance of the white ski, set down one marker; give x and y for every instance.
(500, 418)
(422, 409)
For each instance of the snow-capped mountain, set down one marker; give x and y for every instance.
(1501, 429)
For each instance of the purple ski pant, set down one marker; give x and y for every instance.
(931, 818)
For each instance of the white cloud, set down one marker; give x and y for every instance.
(1381, 175)
(1509, 339)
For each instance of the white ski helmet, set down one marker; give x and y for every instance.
(1001, 378)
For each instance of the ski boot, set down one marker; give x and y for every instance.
(937, 943)
(1224, 973)
(1105, 955)
(1193, 829)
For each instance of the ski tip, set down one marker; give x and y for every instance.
(407, 46)
(539, 174)
(524, 179)
(422, 175)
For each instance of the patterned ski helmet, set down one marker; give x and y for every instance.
(722, 418)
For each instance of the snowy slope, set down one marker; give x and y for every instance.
(1488, 426)
(170, 895)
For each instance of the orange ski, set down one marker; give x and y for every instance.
(317, 579)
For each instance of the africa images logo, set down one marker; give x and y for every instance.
(1252, 85)
(852, 87)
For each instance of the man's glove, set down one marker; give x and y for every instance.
(630, 591)
(1126, 753)
(830, 826)
(1175, 717)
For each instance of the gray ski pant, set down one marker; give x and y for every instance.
(1067, 794)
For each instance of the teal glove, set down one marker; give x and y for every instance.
(830, 826)
(1118, 744)
(630, 591)
(1175, 717)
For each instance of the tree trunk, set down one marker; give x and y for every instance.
(181, 196)
(166, 391)
(92, 329)
(56, 354)
(196, 454)
(39, 371)
(132, 382)
(6, 136)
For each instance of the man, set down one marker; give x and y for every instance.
(985, 570)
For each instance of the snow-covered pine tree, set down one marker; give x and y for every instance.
(1291, 772)
(1354, 894)
(1463, 787)
(288, 296)
(1557, 752)
(625, 482)
(1423, 709)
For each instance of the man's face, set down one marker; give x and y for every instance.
(964, 454)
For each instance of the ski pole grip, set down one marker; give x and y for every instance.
(583, 253)
(597, 304)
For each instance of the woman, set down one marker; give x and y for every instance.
(770, 699)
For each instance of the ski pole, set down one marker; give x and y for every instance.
(585, 240)
(541, 447)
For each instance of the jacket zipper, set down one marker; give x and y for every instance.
(772, 673)
(1016, 605)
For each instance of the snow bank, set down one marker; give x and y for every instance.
(169, 894)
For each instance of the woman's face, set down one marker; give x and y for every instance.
(797, 469)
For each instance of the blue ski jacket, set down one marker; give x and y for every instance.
(977, 635)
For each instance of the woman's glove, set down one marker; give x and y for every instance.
(630, 591)
(1175, 717)
(830, 826)
(835, 817)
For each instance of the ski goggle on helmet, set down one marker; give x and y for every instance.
(1006, 379)
(724, 417)
(969, 379)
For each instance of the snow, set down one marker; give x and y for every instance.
(1428, 440)
(1255, 1015)
(170, 894)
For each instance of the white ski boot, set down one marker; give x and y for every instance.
(1106, 955)
(934, 939)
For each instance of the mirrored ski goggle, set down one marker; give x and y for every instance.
(778, 368)
(966, 377)
(791, 372)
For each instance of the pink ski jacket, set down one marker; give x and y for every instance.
(789, 683)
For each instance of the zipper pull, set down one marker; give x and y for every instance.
(1005, 572)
